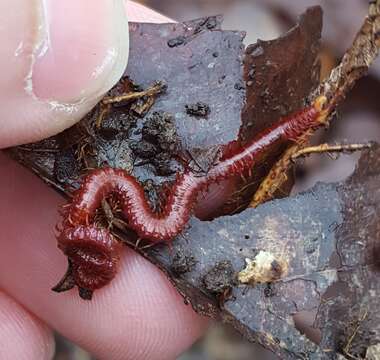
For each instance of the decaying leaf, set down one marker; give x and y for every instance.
(258, 269)
(244, 90)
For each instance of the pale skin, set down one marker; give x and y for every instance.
(139, 315)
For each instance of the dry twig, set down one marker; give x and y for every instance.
(354, 65)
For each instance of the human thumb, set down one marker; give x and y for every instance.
(57, 59)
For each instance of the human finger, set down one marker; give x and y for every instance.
(22, 335)
(58, 58)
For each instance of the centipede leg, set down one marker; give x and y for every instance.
(137, 243)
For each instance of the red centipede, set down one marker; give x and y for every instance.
(93, 252)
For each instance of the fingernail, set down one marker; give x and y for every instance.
(82, 49)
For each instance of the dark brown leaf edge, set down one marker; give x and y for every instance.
(321, 245)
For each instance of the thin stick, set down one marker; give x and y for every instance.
(327, 148)
(153, 90)
(346, 349)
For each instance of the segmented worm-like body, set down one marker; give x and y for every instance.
(156, 227)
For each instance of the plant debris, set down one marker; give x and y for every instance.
(327, 237)
(199, 109)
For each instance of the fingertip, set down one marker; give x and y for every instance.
(141, 315)
(85, 52)
(57, 67)
(22, 335)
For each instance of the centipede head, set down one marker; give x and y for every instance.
(323, 107)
